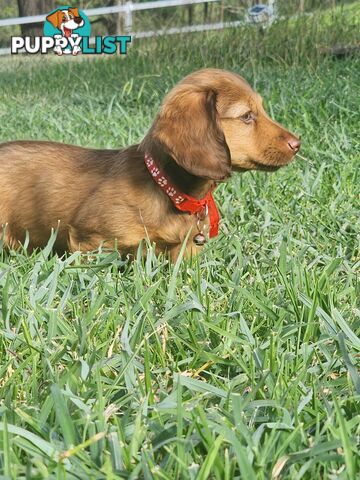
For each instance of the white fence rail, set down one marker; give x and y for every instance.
(127, 10)
(191, 28)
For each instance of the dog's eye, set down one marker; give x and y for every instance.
(248, 117)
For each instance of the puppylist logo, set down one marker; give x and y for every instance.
(67, 32)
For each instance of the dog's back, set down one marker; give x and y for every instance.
(43, 185)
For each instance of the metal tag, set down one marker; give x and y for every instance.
(199, 239)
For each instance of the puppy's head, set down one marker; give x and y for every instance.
(212, 122)
(75, 20)
(70, 18)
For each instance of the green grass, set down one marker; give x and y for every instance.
(242, 363)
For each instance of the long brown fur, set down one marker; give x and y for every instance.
(107, 197)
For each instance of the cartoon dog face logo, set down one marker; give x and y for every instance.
(66, 20)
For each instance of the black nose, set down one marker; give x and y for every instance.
(294, 143)
(78, 20)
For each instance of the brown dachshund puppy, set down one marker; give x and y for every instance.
(210, 124)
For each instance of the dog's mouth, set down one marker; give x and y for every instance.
(266, 168)
(67, 32)
(272, 167)
(252, 164)
(256, 166)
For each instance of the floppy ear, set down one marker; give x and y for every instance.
(74, 11)
(55, 18)
(187, 127)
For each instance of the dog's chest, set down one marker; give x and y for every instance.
(194, 227)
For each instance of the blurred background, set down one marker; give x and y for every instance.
(152, 20)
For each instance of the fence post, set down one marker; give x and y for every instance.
(120, 20)
(128, 18)
(272, 11)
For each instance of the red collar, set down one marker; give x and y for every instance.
(184, 202)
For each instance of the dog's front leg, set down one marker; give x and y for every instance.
(58, 48)
(76, 48)
(191, 250)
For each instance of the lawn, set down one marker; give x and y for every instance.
(242, 363)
